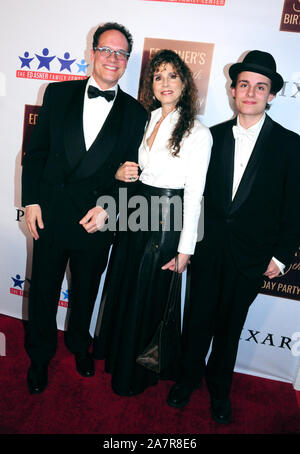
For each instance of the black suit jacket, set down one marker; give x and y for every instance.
(263, 220)
(58, 172)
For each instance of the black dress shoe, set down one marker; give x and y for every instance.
(37, 378)
(220, 410)
(180, 395)
(85, 364)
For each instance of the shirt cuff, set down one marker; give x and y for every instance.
(280, 265)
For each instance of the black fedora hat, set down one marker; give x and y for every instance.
(259, 62)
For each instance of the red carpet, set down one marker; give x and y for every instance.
(75, 405)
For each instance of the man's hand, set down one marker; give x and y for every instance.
(94, 219)
(272, 270)
(128, 172)
(183, 261)
(33, 217)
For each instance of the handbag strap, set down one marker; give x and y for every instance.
(174, 291)
(176, 263)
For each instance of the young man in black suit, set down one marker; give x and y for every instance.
(84, 131)
(252, 229)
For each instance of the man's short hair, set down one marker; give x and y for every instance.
(112, 26)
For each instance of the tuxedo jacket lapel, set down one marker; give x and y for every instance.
(227, 159)
(100, 150)
(74, 136)
(253, 165)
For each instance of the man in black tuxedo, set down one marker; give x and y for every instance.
(252, 225)
(81, 137)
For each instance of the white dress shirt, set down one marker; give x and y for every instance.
(245, 140)
(95, 112)
(186, 171)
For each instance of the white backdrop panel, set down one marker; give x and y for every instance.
(67, 26)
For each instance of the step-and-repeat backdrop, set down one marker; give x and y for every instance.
(48, 41)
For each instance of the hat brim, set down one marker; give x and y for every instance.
(277, 80)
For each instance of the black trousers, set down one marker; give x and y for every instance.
(49, 264)
(215, 312)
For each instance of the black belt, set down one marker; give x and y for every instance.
(153, 190)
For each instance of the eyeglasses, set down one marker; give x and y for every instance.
(106, 52)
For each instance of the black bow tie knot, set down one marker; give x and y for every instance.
(94, 92)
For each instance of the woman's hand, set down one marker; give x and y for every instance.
(183, 261)
(128, 172)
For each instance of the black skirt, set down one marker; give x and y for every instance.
(136, 290)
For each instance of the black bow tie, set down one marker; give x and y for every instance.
(94, 92)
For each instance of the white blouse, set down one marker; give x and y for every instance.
(187, 170)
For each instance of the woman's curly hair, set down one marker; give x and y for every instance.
(188, 102)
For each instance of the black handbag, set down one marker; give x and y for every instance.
(163, 351)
